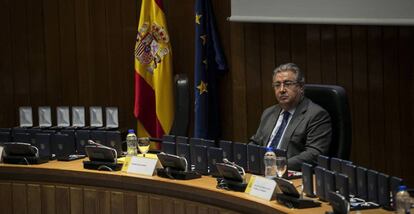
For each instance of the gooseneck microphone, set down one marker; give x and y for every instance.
(239, 168)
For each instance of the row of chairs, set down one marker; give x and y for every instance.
(362, 187)
(55, 143)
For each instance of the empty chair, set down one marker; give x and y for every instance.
(334, 100)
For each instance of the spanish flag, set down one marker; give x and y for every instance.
(154, 107)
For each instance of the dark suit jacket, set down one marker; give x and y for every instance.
(307, 135)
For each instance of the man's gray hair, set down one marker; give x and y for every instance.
(300, 78)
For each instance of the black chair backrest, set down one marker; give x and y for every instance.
(182, 106)
(334, 100)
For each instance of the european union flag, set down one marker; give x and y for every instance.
(209, 63)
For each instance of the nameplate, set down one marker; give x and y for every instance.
(140, 165)
(261, 187)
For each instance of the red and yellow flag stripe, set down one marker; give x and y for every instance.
(154, 103)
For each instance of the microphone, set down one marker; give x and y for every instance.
(239, 168)
(106, 147)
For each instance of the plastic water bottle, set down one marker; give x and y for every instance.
(402, 200)
(270, 163)
(132, 143)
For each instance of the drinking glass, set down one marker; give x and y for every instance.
(143, 145)
(281, 166)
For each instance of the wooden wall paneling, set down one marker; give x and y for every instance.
(34, 198)
(52, 52)
(114, 38)
(298, 45)
(360, 123)
(376, 92)
(283, 41)
(19, 200)
(7, 112)
(328, 54)
(104, 201)
(222, 11)
(313, 72)
(76, 200)
(267, 64)
(68, 67)
(117, 81)
(407, 152)
(406, 93)
(20, 70)
(36, 53)
(344, 64)
(84, 56)
(202, 210)
(181, 28)
(129, 23)
(48, 199)
(392, 139)
(238, 76)
(6, 197)
(167, 205)
(154, 204)
(179, 206)
(90, 201)
(191, 208)
(253, 80)
(143, 203)
(117, 202)
(212, 210)
(130, 203)
(63, 202)
(99, 31)
(344, 59)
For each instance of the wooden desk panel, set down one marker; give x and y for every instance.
(65, 187)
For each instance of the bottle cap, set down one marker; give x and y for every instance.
(131, 131)
(402, 188)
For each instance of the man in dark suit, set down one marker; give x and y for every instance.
(295, 124)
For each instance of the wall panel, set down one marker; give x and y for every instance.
(7, 115)
(34, 204)
(81, 53)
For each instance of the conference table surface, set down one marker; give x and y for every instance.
(202, 190)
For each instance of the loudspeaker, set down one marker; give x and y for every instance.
(227, 147)
(336, 165)
(362, 182)
(320, 182)
(383, 190)
(329, 182)
(342, 185)
(323, 161)
(372, 179)
(254, 159)
(350, 171)
(307, 179)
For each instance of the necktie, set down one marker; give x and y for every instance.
(279, 132)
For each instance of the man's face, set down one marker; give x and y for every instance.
(288, 92)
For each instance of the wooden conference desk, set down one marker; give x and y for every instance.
(65, 187)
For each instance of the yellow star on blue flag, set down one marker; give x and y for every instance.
(202, 87)
(209, 64)
(198, 17)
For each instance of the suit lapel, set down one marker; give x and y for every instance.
(297, 117)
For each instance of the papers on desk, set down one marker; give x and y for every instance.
(140, 165)
(261, 187)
